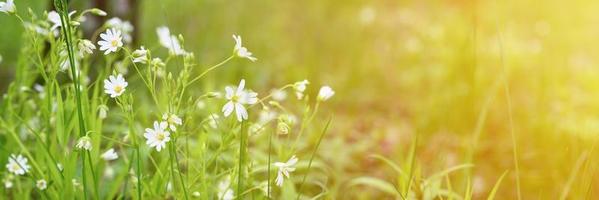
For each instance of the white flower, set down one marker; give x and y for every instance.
(172, 120)
(124, 26)
(110, 155)
(17, 164)
(102, 111)
(8, 7)
(115, 86)
(241, 51)
(111, 41)
(86, 46)
(157, 137)
(325, 93)
(279, 95)
(8, 184)
(59, 166)
(140, 55)
(169, 41)
(299, 88)
(41, 184)
(224, 190)
(237, 98)
(284, 169)
(84, 143)
(157, 62)
(54, 17)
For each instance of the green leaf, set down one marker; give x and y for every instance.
(496, 187)
(375, 183)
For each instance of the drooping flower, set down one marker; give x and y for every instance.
(54, 18)
(124, 26)
(299, 88)
(111, 41)
(284, 169)
(169, 41)
(41, 184)
(172, 120)
(17, 164)
(115, 86)
(157, 137)
(241, 51)
(140, 55)
(325, 93)
(86, 46)
(8, 7)
(110, 155)
(84, 143)
(237, 99)
(102, 111)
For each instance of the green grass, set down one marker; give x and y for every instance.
(435, 100)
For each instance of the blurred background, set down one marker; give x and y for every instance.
(466, 80)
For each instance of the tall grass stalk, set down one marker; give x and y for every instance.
(322, 134)
(62, 7)
(508, 97)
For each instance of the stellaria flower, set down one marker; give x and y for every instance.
(41, 184)
(157, 137)
(241, 51)
(86, 46)
(169, 41)
(54, 18)
(115, 86)
(172, 120)
(102, 111)
(284, 169)
(84, 143)
(140, 55)
(111, 41)
(17, 164)
(325, 93)
(8, 7)
(237, 99)
(300, 87)
(110, 155)
(124, 26)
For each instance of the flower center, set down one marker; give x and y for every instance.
(15, 167)
(160, 136)
(118, 89)
(235, 98)
(114, 43)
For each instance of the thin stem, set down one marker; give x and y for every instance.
(241, 154)
(208, 70)
(174, 152)
(326, 128)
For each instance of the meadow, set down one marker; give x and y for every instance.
(265, 99)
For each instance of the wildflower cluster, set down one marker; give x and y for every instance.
(137, 118)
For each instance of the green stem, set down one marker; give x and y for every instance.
(241, 154)
(208, 70)
(312, 157)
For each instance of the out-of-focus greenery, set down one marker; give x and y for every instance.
(432, 70)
